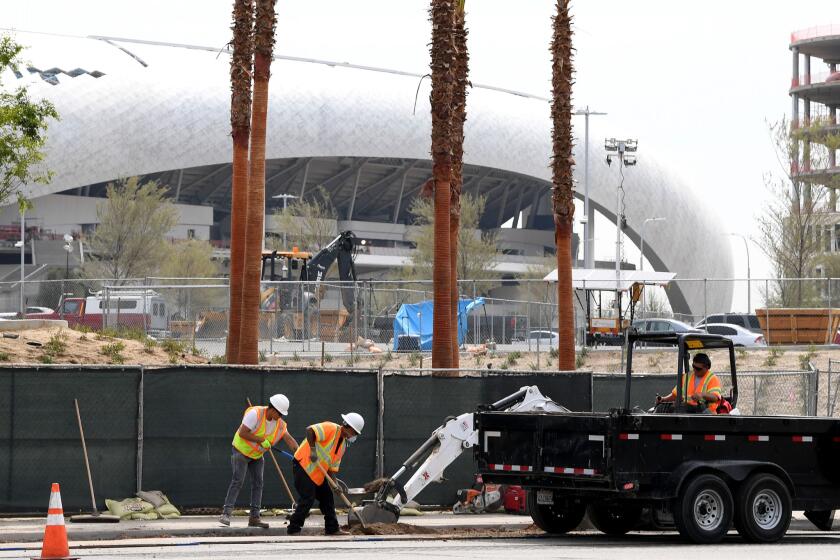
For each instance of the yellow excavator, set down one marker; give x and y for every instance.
(293, 290)
(291, 293)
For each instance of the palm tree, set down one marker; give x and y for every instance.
(442, 52)
(459, 116)
(561, 171)
(264, 24)
(241, 63)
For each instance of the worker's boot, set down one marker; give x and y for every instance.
(224, 519)
(337, 533)
(255, 522)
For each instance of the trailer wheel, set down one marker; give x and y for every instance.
(704, 510)
(558, 518)
(614, 519)
(763, 509)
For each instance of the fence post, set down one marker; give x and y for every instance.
(140, 432)
(767, 307)
(528, 326)
(814, 388)
(476, 321)
(380, 423)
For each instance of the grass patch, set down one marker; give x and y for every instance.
(581, 357)
(295, 357)
(218, 360)
(328, 358)
(56, 345)
(5, 357)
(149, 346)
(46, 359)
(805, 359)
(773, 356)
(555, 353)
(414, 359)
(114, 352)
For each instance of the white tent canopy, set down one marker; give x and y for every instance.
(604, 279)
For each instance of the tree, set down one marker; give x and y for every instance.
(562, 163)
(442, 58)
(793, 219)
(307, 224)
(249, 334)
(459, 116)
(191, 259)
(477, 253)
(130, 239)
(241, 69)
(23, 127)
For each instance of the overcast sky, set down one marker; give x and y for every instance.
(695, 82)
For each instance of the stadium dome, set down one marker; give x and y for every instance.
(131, 107)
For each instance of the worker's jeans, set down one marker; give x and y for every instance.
(308, 492)
(254, 467)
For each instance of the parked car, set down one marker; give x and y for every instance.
(746, 320)
(663, 326)
(546, 339)
(738, 335)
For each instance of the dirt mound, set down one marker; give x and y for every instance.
(68, 346)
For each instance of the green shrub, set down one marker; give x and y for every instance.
(114, 352)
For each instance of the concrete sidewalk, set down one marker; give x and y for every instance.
(21, 530)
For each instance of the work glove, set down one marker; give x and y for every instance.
(266, 443)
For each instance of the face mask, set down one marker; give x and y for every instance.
(350, 440)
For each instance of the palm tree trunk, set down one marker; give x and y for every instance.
(442, 53)
(459, 116)
(264, 25)
(561, 169)
(240, 120)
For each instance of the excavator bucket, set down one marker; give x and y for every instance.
(372, 512)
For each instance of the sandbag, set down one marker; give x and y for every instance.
(151, 516)
(125, 508)
(168, 511)
(154, 497)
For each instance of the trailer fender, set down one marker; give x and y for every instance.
(735, 471)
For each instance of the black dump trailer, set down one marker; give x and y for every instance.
(673, 467)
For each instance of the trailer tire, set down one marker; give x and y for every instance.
(704, 509)
(614, 519)
(561, 517)
(763, 507)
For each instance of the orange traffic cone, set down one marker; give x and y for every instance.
(55, 534)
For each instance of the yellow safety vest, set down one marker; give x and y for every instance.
(328, 448)
(253, 449)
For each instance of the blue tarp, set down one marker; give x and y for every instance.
(416, 319)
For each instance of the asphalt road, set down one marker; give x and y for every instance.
(580, 546)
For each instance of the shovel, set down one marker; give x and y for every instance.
(94, 517)
(343, 497)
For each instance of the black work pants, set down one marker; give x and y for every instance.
(308, 492)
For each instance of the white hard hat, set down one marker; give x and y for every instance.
(280, 402)
(354, 420)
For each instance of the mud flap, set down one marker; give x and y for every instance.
(822, 520)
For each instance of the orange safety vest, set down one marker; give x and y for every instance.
(711, 384)
(328, 448)
(254, 449)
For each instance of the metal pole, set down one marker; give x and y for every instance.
(22, 258)
(618, 245)
(587, 227)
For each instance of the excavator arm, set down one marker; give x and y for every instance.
(444, 446)
(343, 249)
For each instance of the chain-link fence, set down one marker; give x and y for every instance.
(516, 315)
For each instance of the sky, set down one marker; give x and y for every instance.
(695, 82)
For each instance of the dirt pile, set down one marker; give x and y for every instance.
(68, 346)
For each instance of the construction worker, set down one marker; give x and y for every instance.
(261, 428)
(701, 389)
(321, 452)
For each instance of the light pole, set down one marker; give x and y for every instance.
(285, 198)
(587, 227)
(642, 255)
(747, 247)
(625, 149)
(68, 248)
